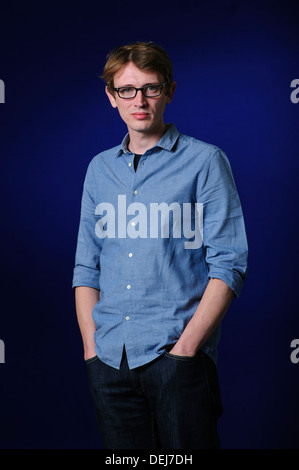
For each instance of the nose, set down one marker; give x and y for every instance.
(140, 99)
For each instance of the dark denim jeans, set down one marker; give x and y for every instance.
(170, 403)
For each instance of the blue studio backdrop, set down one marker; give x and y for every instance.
(237, 72)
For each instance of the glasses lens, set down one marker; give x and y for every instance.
(126, 92)
(152, 90)
(149, 90)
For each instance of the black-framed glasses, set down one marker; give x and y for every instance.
(150, 91)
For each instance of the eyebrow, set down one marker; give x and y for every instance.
(133, 86)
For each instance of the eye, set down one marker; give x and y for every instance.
(127, 90)
(152, 88)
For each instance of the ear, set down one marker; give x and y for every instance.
(171, 92)
(111, 98)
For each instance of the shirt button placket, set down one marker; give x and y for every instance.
(130, 254)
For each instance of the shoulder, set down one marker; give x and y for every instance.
(198, 144)
(104, 156)
(198, 149)
(100, 164)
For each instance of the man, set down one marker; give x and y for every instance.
(161, 253)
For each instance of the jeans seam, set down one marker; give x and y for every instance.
(154, 433)
(141, 381)
(208, 385)
(136, 387)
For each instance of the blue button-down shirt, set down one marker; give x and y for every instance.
(150, 241)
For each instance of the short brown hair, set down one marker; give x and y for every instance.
(145, 55)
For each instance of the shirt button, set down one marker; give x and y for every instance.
(130, 164)
(133, 224)
(129, 286)
(135, 191)
(130, 255)
(127, 318)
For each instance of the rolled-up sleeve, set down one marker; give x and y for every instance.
(87, 260)
(224, 233)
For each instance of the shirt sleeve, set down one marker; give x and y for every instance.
(224, 233)
(87, 260)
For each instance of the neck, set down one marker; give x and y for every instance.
(141, 142)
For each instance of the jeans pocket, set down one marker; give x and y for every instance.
(176, 357)
(91, 359)
(180, 358)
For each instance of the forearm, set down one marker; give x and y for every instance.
(208, 315)
(86, 298)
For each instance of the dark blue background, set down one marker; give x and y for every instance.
(233, 63)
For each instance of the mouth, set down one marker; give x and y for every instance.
(141, 115)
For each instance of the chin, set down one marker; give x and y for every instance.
(141, 126)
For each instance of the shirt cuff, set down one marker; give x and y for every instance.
(233, 279)
(85, 276)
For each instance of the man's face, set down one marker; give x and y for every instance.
(141, 114)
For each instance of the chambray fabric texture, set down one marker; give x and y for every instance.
(149, 285)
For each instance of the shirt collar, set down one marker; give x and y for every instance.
(166, 142)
